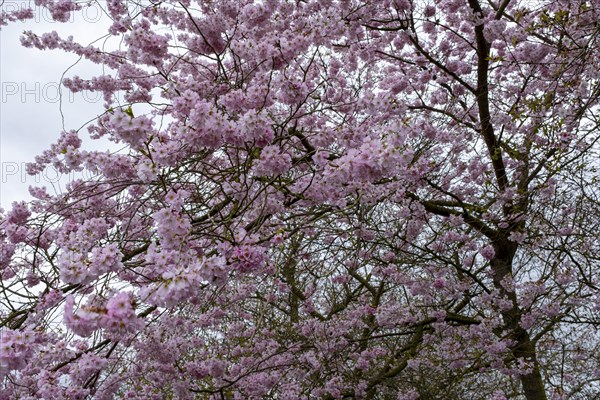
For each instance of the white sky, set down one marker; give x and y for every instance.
(30, 110)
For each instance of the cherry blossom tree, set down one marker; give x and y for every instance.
(317, 199)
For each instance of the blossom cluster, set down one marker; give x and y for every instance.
(117, 315)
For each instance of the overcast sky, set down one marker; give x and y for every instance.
(30, 110)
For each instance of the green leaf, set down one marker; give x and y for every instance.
(129, 111)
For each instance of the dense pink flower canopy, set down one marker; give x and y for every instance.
(316, 199)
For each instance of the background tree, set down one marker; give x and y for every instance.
(324, 199)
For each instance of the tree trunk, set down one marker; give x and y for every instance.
(524, 348)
